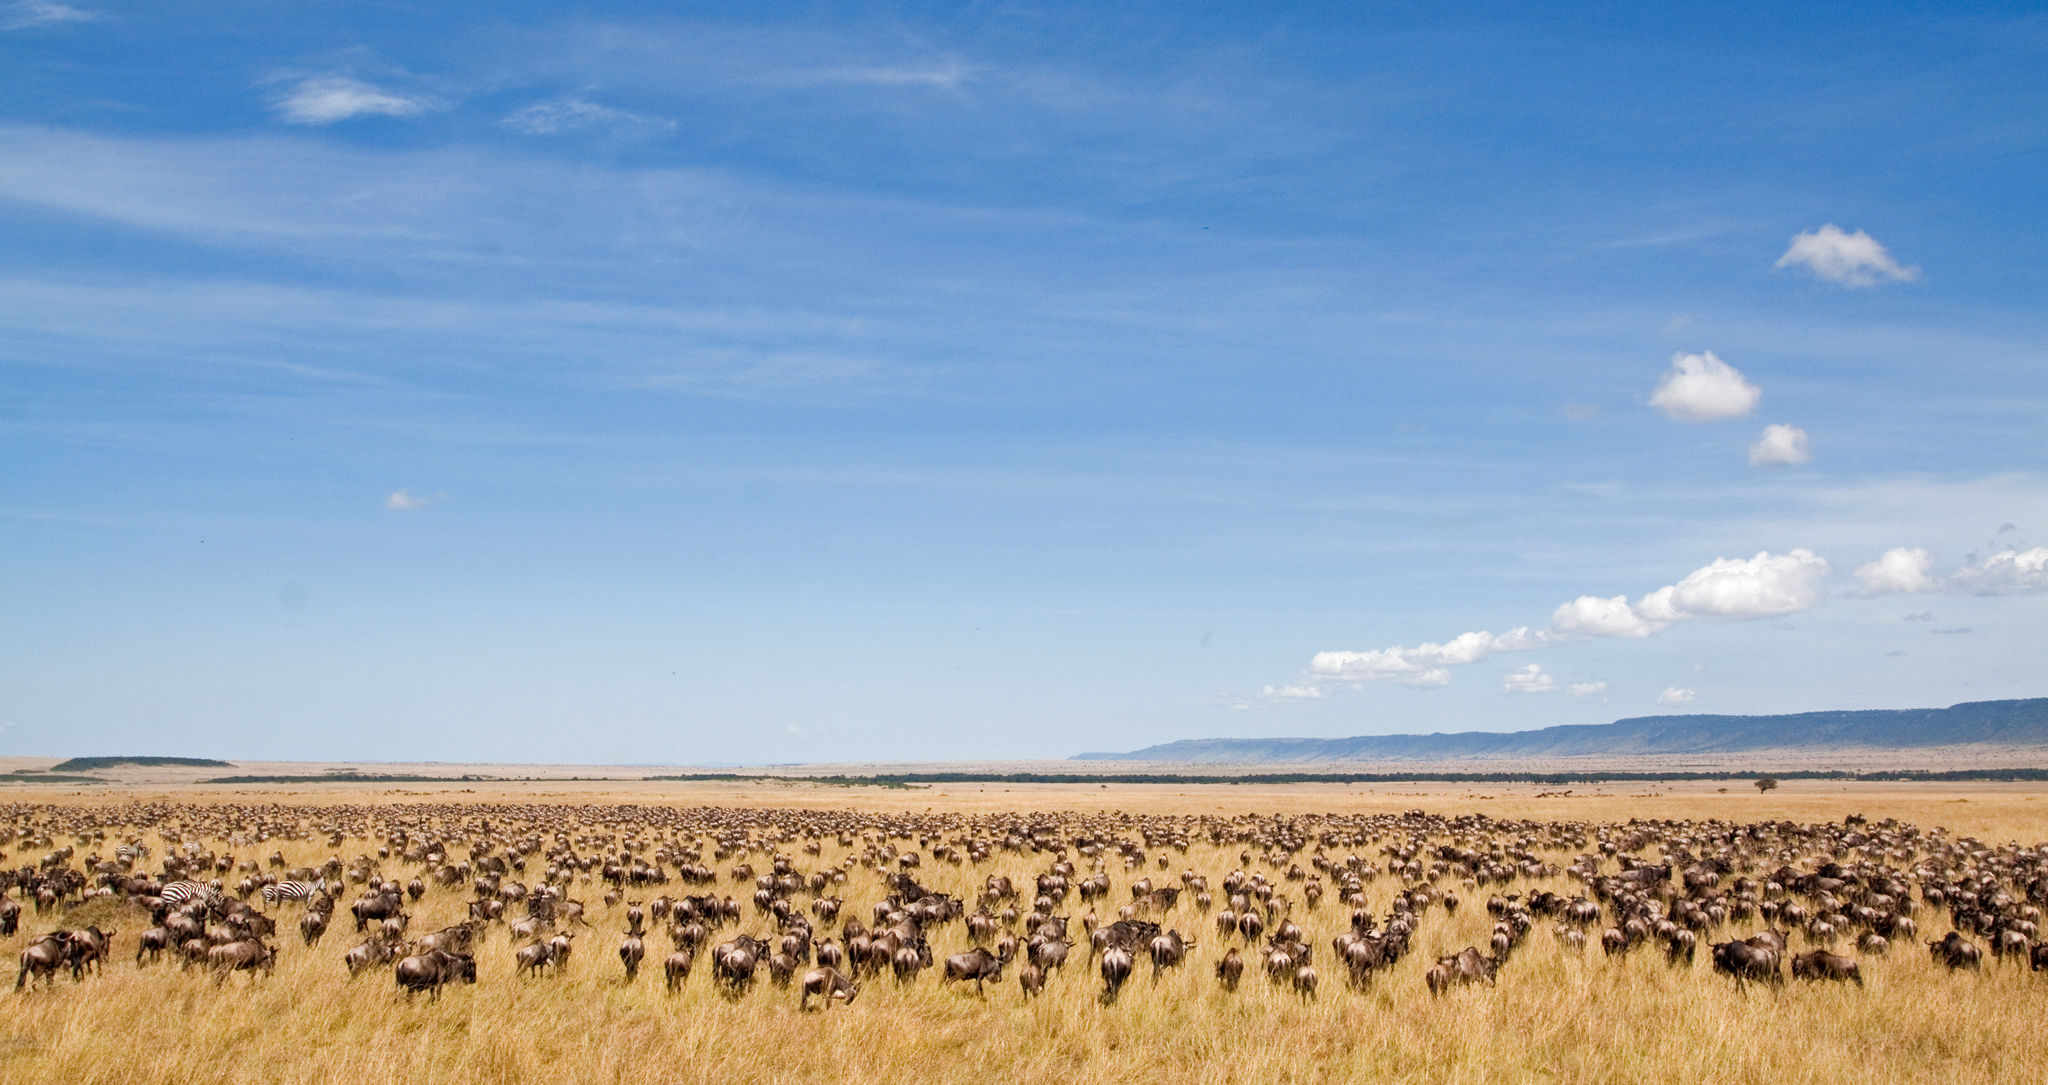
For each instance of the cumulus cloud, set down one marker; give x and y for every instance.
(1593, 616)
(1764, 586)
(1909, 570)
(1849, 259)
(2008, 572)
(1703, 388)
(1780, 446)
(1676, 696)
(1583, 690)
(570, 114)
(1423, 665)
(1902, 570)
(330, 98)
(23, 14)
(404, 501)
(1529, 679)
(1923, 616)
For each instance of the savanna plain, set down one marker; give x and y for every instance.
(1553, 1011)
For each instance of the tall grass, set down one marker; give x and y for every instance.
(1555, 1016)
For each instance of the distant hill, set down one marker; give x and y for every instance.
(2000, 723)
(87, 764)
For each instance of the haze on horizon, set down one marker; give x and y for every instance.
(522, 383)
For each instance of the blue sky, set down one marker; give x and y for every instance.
(658, 383)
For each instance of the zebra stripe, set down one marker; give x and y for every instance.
(176, 894)
(293, 891)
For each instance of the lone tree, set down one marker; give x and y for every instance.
(1766, 783)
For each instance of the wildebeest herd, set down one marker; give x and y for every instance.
(831, 902)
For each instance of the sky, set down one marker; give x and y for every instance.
(701, 384)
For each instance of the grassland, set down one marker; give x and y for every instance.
(1555, 1016)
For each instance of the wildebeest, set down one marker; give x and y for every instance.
(89, 948)
(828, 984)
(152, 942)
(430, 970)
(676, 968)
(1956, 951)
(244, 956)
(1168, 950)
(976, 964)
(1230, 969)
(1822, 965)
(734, 962)
(1748, 961)
(44, 957)
(631, 951)
(1116, 968)
(1468, 965)
(532, 958)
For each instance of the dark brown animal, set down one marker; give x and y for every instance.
(631, 951)
(431, 970)
(975, 964)
(1822, 965)
(676, 968)
(1230, 969)
(1956, 952)
(44, 957)
(1116, 968)
(828, 984)
(1747, 961)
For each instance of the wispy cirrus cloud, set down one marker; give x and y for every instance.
(25, 14)
(327, 99)
(941, 75)
(563, 115)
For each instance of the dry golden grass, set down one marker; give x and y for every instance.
(1555, 1016)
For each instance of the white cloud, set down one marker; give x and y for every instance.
(1923, 616)
(949, 75)
(23, 14)
(2008, 572)
(1908, 570)
(1677, 696)
(1296, 693)
(1764, 586)
(1902, 570)
(1780, 446)
(1583, 690)
(1703, 388)
(570, 114)
(1593, 616)
(1422, 665)
(1849, 259)
(331, 98)
(404, 501)
(1760, 587)
(1529, 679)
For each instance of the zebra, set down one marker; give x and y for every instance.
(296, 891)
(177, 894)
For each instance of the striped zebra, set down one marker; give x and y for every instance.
(178, 894)
(294, 891)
